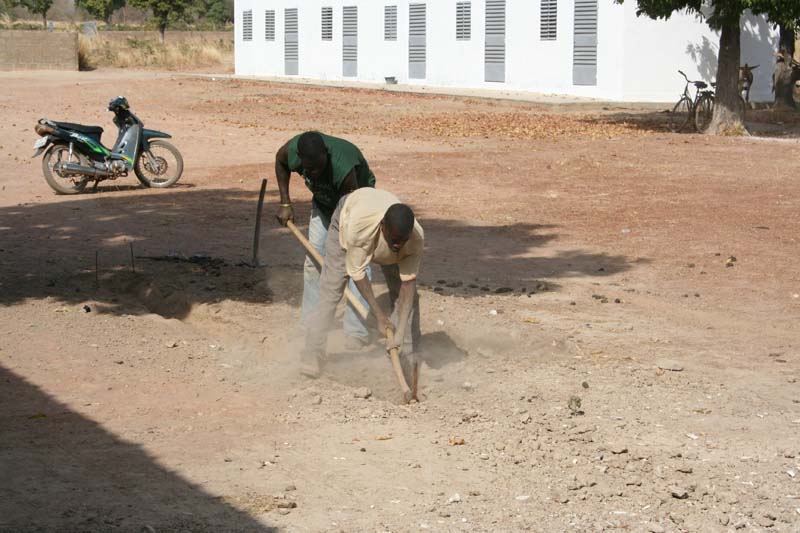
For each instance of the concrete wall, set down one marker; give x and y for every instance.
(38, 50)
(759, 43)
(638, 58)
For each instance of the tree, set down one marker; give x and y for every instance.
(784, 78)
(725, 17)
(788, 36)
(101, 9)
(37, 7)
(220, 12)
(165, 11)
(787, 71)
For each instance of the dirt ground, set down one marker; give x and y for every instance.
(572, 253)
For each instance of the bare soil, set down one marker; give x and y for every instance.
(595, 357)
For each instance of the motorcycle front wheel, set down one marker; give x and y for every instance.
(160, 167)
(59, 153)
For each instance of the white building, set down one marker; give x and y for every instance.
(592, 48)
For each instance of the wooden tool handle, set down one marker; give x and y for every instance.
(394, 354)
(351, 298)
(307, 245)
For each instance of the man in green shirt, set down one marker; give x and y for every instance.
(331, 168)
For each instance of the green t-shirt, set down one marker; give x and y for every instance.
(343, 156)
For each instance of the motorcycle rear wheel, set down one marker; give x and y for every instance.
(59, 153)
(163, 167)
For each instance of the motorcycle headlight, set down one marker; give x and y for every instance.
(43, 129)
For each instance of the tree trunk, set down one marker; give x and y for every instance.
(44, 20)
(787, 40)
(783, 80)
(162, 28)
(727, 119)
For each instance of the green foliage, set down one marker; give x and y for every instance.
(720, 13)
(100, 9)
(37, 7)
(216, 13)
(783, 12)
(145, 45)
(165, 11)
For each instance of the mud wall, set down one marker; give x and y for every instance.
(38, 50)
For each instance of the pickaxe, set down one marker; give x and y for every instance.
(409, 393)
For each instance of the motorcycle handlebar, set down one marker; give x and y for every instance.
(126, 115)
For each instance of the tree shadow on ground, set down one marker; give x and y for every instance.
(194, 246)
(471, 260)
(646, 121)
(760, 121)
(111, 186)
(64, 472)
(776, 123)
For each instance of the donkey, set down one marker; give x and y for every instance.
(746, 80)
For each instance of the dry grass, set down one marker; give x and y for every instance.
(9, 23)
(109, 51)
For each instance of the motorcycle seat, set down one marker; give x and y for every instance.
(88, 130)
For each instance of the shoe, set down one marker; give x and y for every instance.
(356, 344)
(310, 367)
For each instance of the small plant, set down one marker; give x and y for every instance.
(145, 46)
(84, 53)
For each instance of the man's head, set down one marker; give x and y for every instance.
(397, 226)
(313, 154)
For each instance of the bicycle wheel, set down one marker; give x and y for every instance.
(681, 115)
(703, 112)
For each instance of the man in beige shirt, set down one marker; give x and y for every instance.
(368, 225)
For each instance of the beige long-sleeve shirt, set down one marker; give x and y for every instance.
(361, 237)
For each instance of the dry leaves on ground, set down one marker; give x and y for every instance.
(513, 125)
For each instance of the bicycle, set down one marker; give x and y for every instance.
(687, 108)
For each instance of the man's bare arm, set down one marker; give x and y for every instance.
(405, 303)
(282, 174)
(364, 286)
(349, 184)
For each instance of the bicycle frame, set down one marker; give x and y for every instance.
(686, 92)
(699, 92)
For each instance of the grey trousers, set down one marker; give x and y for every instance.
(332, 282)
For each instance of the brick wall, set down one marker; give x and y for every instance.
(38, 50)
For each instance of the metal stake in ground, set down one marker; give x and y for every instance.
(394, 355)
(133, 264)
(257, 232)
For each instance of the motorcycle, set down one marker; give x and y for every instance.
(75, 156)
